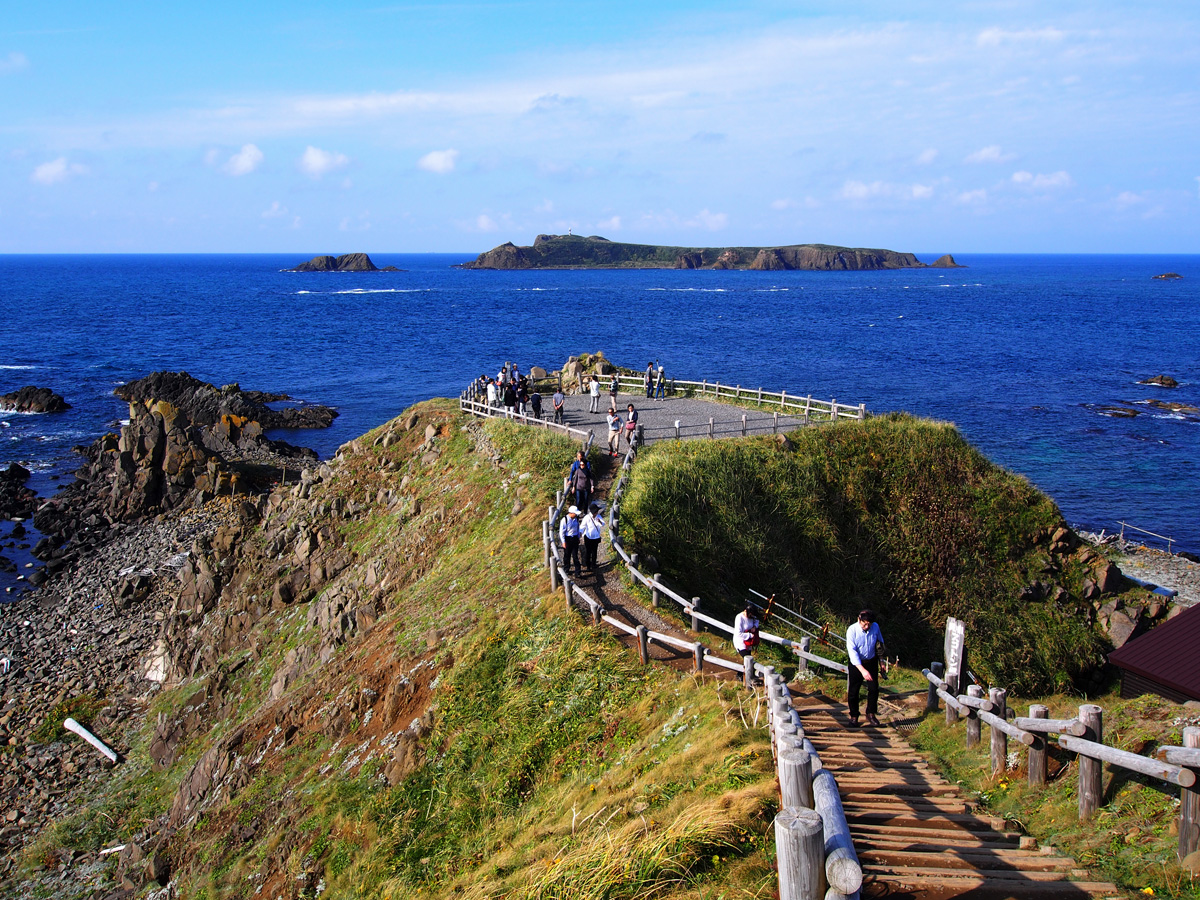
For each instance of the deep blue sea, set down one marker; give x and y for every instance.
(1025, 354)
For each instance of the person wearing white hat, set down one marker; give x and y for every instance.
(568, 533)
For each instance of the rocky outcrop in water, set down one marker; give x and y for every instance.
(206, 404)
(33, 399)
(945, 262)
(1165, 381)
(557, 251)
(347, 262)
(16, 500)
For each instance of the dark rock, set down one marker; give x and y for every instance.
(1162, 381)
(348, 262)
(34, 399)
(16, 500)
(946, 262)
(1168, 276)
(206, 404)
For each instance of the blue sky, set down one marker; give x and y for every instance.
(319, 127)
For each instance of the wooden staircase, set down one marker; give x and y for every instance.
(915, 834)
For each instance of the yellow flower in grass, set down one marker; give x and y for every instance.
(1149, 892)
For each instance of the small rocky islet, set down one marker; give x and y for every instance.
(347, 262)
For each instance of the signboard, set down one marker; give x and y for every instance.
(956, 645)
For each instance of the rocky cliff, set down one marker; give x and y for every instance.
(347, 262)
(555, 251)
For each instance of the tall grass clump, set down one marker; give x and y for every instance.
(894, 513)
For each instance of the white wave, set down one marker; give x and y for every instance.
(19, 368)
(381, 291)
(692, 290)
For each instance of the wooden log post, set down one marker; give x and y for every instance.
(931, 699)
(795, 779)
(743, 424)
(676, 429)
(748, 671)
(698, 657)
(654, 595)
(973, 728)
(568, 587)
(643, 636)
(710, 426)
(782, 399)
(842, 869)
(785, 736)
(696, 623)
(1037, 750)
(999, 748)
(1189, 803)
(800, 851)
(553, 575)
(775, 423)
(1091, 771)
(545, 543)
(806, 647)
(597, 613)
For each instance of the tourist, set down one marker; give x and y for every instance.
(648, 381)
(568, 533)
(522, 398)
(631, 418)
(558, 400)
(493, 395)
(614, 431)
(614, 388)
(594, 391)
(579, 481)
(591, 527)
(745, 630)
(863, 643)
(660, 385)
(535, 404)
(510, 398)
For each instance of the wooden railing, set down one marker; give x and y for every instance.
(1082, 735)
(812, 838)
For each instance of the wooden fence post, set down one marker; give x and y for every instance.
(748, 671)
(806, 646)
(568, 586)
(643, 644)
(999, 698)
(677, 429)
(743, 424)
(782, 399)
(654, 589)
(1189, 803)
(1091, 771)
(545, 543)
(696, 623)
(698, 657)
(553, 575)
(710, 426)
(1037, 750)
(774, 423)
(931, 699)
(973, 690)
(800, 851)
(597, 613)
(795, 779)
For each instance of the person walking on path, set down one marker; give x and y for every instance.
(648, 381)
(614, 388)
(510, 398)
(745, 630)
(493, 395)
(631, 418)
(558, 399)
(592, 526)
(580, 479)
(614, 431)
(535, 403)
(863, 642)
(660, 385)
(568, 533)
(594, 391)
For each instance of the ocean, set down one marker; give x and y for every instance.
(1036, 358)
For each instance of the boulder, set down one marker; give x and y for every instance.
(1121, 627)
(1165, 381)
(1109, 578)
(33, 400)
(16, 500)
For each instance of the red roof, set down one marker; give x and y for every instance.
(1168, 654)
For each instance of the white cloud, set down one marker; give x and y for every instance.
(57, 171)
(613, 224)
(971, 198)
(927, 156)
(994, 37)
(244, 161)
(439, 162)
(14, 62)
(276, 210)
(484, 222)
(211, 155)
(990, 154)
(782, 203)
(1054, 180)
(708, 220)
(316, 162)
(860, 190)
(922, 191)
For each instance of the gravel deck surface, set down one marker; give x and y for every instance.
(1164, 570)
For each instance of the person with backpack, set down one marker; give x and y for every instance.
(614, 388)
(568, 534)
(745, 630)
(660, 385)
(579, 481)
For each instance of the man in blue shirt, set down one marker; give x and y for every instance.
(863, 642)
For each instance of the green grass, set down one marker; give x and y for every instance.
(893, 513)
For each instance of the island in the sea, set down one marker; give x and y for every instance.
(567, 251)
(347, 262)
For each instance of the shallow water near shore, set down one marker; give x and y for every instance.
(1035, 358)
